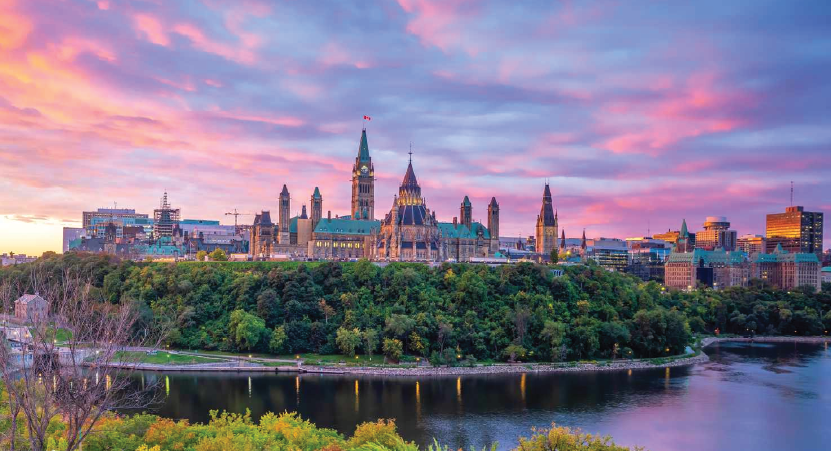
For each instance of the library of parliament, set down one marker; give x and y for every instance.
(409, 231)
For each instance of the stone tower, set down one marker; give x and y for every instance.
(285, 215)
(363, 183)
(465, 212)
(493, 218)
(546, 225)
(317, 207)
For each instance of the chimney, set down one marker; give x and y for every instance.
(329, 215)
(455, 221)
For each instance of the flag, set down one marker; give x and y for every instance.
(367, 118)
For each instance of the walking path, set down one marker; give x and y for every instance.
(259, 364)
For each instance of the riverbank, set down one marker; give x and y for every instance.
(243, 364)
(766, 339)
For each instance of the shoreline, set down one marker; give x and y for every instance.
(500, 368)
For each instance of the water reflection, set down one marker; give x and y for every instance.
(747, 397)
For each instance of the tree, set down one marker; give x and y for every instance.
(278, 337)
(393, 349)
(327, 310)
(555, 333)
(348, 340)
(417, 344)
(445, 334)
(515, 351)
(218, 255)
(200, 256)
(48, 380)
(246, 330)
(370, 341)
(555, 256)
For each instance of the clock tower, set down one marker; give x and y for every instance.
(363, 183)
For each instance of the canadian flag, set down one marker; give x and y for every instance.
(367, 118)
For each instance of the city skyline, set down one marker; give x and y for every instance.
(635, 130)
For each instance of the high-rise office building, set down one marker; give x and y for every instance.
(716, 235)
(751, 244)
(797, 230)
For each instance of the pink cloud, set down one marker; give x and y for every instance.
(436, 23)
(240, 54)
(700, 106)
(151, 28)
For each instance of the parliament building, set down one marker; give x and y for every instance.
(408, 232)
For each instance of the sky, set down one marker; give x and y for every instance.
(639, 114)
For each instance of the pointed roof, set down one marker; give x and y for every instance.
(779, 249)
(547, 210)
(583, 243)
(409, 178)
(684, 233)
(546, 195)
(363, 148)
(466, 202)
(303, 213)
(493, 202)
(285, 190)
(316, 194)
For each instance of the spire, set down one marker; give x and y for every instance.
(316, 194)
(684, 233)
(547, 209)
(466, 202)
(493, 202)
(546, 195)
(409, 178)
(583, 244)
(363, 148)
(303, 213)
(285, 190)
(563, 239)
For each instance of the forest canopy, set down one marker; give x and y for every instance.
(523, 311)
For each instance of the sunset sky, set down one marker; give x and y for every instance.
(639, 113)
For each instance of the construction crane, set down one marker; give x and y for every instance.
(237, 214)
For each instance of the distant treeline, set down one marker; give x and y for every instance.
(518, 311)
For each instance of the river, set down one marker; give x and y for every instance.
(748, 396)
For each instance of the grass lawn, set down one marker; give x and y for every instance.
(166, 358)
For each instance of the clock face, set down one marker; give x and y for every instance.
(364, 169)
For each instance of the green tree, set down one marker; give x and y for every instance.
(218, 255)
(555, 256)
(555, 333)
(348, 340)
(514, 352)
(200, 256)
(393, 349)
(370, 341)
(246, 330)
(278, 338)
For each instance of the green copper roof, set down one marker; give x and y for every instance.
(461, 231)
(316, 194)
(346, 226)
(466, 202)
(780, 255)
(684, 232)
(710, 257)
(363, 149)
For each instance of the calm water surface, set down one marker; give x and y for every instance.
(749, 396)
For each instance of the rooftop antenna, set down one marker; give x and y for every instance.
(411, 152)
(791, 193)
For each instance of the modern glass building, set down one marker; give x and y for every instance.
(796, 230)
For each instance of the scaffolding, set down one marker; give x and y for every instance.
(165, 219)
